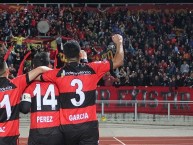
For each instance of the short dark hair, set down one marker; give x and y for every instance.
(71, 49)
(41, 59)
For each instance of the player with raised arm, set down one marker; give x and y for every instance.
(41, 100)
(77, 83)
(10, 94)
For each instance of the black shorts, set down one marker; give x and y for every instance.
(11, 140)
(43, 139)
(81, 134)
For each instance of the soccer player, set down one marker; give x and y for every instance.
(77, 84)
(41, 100)
(10, 94)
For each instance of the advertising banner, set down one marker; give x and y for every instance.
(153, 100)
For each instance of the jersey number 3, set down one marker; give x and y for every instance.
(79, 92)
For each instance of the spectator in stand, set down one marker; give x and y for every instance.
(163, 65)
(156, 81)
(117, 83)
(17, 61)
(127, 81)
(172, 84)
(176, 49)
(141, 80)
(122, 75)
(184, 68)
(156, 34)
(179, 81)
(19, 40)
(3, 48)
(12, 70)
(165, 80)
(171, 69)
(189, 80)
(133, 78)
(108, 79)
(186, 56)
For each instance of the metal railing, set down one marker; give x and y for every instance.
(132, 111)
(174, 112)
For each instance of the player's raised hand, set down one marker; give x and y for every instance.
(83, 54)
(117, 39)
(119, 54)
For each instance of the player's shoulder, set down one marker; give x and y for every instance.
(19, 79)
(52, 72)
(35, 83)
(98, 62)
(39, 84)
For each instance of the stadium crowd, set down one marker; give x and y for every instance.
(158, 45)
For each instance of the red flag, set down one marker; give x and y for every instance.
(8, 53)
(20, 71)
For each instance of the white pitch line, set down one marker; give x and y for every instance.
(119, 140)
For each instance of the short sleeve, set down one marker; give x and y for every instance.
(21, 82)
(25, 103)
(101, 67)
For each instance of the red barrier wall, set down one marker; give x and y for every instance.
(157, 95)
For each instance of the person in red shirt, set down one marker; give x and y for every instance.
(108, 79)
(77, 83)
(10, 93)
(41, 100)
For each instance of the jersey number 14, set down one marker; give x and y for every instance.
(45, 101)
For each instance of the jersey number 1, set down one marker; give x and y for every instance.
(6, 102)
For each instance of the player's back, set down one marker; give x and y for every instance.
(41, 100)
(10, 93)
(44, 107)
(78, 96)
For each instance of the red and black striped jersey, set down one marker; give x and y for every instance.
(77, 87)
(44, 107)
(10, 93)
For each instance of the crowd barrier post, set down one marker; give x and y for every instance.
(168, 111)
(136, 111)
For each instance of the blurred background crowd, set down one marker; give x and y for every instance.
(158, 45)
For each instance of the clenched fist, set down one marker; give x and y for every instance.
(117, 39)
(83, 54)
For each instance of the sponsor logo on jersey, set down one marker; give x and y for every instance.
(6, 88)
(77, 73)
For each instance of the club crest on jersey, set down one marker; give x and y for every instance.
(2, 129)
(63, 73)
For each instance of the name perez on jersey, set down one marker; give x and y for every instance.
(78, 117)
(41, 119)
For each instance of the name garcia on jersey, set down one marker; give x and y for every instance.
(78, 117)
(42, 119)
